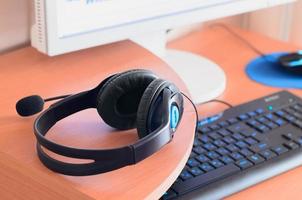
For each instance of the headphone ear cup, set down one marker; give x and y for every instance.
(118, 99)
(146, 112)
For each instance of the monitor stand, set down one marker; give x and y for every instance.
(204, 79)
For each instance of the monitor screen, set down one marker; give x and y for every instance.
(84, 16)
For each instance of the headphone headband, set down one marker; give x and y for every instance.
(104, 159)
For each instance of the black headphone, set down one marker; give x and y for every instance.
(135, 98)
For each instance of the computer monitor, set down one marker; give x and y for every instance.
(63, 26)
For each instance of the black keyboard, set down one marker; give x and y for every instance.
(241, 139)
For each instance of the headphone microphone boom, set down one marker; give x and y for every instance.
(34, 104)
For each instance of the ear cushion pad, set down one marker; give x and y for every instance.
(144, 107)
(118, 99)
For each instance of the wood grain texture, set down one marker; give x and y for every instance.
(230, 53)
(27, 72)
(20, 182)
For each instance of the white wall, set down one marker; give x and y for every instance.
(296, 29)
(14, 24)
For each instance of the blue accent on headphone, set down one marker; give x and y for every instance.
(300, 52)
(296, 63)
(174, 117)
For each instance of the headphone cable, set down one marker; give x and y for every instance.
(220, 101)
(194, 106)
(211, 101)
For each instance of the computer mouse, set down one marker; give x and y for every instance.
(292, 61)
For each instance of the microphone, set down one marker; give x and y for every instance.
(34, 104)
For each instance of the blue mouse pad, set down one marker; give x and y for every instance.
(267, 71)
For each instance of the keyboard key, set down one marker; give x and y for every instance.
(256, 159)
(262, 120)
(219, 143)
(192, 155)
(202, 158)
(262, 128)
(298, 123)
(204, 129)
(251, 141)
(185, 175)
(223, 124)
(206, 167)
(241, 144)
(229, 140)
(288, 136)
(280, 113)
(222, 151)
(289, 110)
(192, 162)
(196, 171)
(214, 127)
(259, 147)
(232, 147)
(267, 154)
(243, 163)
(199, 150)
(214, 136)
(279, 149)
(216, 163)
(290, 118)
(237, 136)
(279, 121)
(212, 154)
(246, 152)
(224, 132)
(247, 132)
(270, 116)
(209, 146)
(170, 194)
(252, 114)
(298, 141)
(237, 127)
(253, 123)
(196, 142)
(205, 179)
(260, 111)
(236, 156)
(232, 120)
(291, 145)
(205, 139)
(297, 115)
(226, 159)
(271, 125)
(297, 107)
(257, 136)
(243, 117)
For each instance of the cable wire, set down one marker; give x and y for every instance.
(211, 101)
(220, 101)
(194, 106)
(243, 40)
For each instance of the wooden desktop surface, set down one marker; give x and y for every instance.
(232, 55)
(26, 72)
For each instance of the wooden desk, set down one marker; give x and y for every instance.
(22, 176)
(82, 70)
(230, 53)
